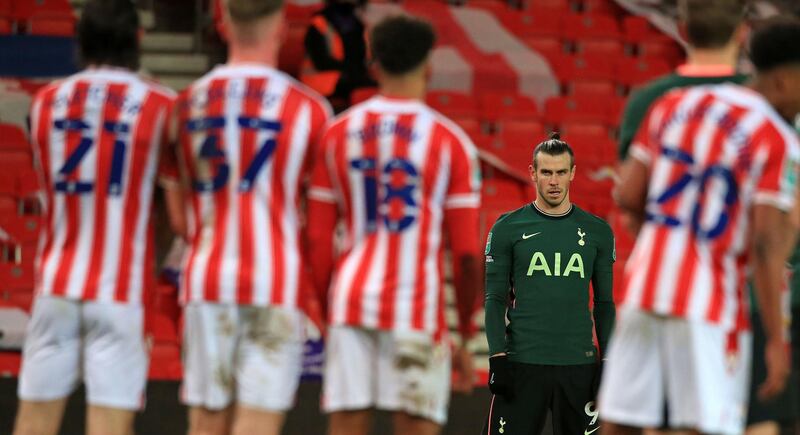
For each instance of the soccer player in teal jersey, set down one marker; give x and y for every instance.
(540, 261)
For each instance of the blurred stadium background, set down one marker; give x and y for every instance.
(506, 71)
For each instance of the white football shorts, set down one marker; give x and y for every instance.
(697, 372)
(391, 371)
(249, 354)
(99, 342)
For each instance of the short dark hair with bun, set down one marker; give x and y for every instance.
(554, 146)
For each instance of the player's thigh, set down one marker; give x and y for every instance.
(707, 374)
(632, 392)
(414, 372)
(269, 359)
(410, 425)
(102, 420)
(350, 422)
(52, 352)
(209, 349)
(203, 421)
(39, 418)
(350, 376)
(526, 412)
(573, 406)
(115, 355)
(248, 421)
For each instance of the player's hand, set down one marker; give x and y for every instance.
(463, 367)
(777, 361)
(501, 379)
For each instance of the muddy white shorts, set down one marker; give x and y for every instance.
(391, 371)
(697, 372)
(248, 354)
(100, 343)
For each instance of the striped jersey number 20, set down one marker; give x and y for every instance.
(688, 178)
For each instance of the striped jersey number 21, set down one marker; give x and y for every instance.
(210, 150)
(81, 187)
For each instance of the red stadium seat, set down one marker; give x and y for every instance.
(453, 104)
(501, 193)
(17, 278)
(515, 148)
(28, 183)
(471, 126)
(161, 328)
(571, 109)
(13, 138)
(8, 207)
(5, 26)
(553, 5)
(593, 88)
(635, 71)
(9, 363)
(493, 6)
(21, 228)
(663, 48)
(583, 128)
(165, 362)
(531, 128)
(6, 9)
(24, 10)
(292, 51)
(15, 160)
(608, 48)
(585, 26)
(608, 7)
(8, 184)
(300, 15)
(550, 48)
(535, 23)
(597, 148)
(362, 94)
(636, 29)
(495, 106)
(52, 24)
(585, 67)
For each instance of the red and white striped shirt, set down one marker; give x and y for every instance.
(713, 152)
(246, 136)
(96, 137)
(393, 167)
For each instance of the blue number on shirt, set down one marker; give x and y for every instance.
(121, 130)
(210, 150)
(405, 193)
(685, 180)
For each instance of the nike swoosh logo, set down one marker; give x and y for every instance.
(528, 236)
(587, 432)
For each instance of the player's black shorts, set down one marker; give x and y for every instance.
(784, 408)
(564, 390)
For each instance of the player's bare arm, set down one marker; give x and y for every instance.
(772, 233)
(630, 193)
(466, 281)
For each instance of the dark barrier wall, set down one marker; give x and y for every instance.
(37, 56)
(164, 416)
